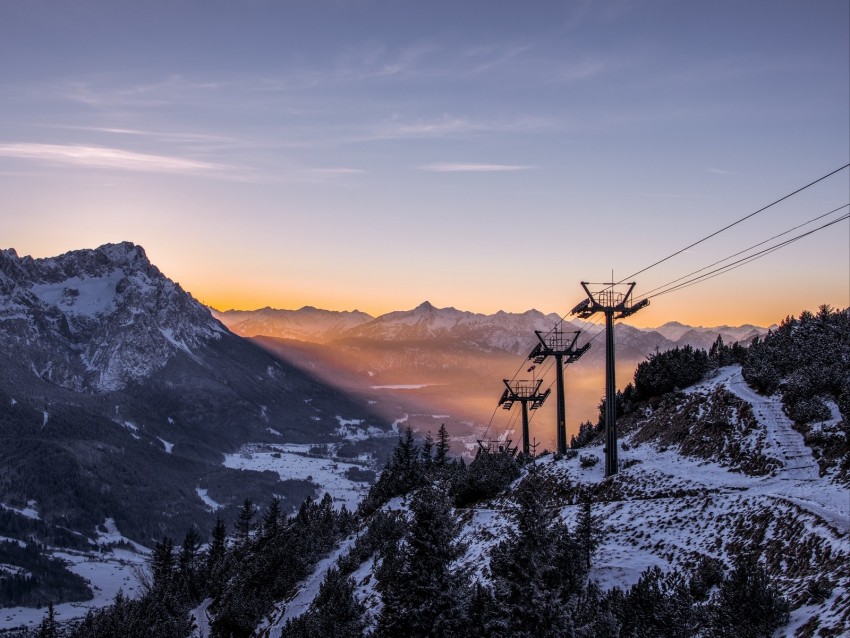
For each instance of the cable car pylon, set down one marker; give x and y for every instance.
(610, 302)
(526, 392)
(562, 346)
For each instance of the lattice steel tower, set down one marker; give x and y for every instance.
(611, 302)
(525, 392)
(562, 346)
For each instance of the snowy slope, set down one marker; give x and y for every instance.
(668, 509)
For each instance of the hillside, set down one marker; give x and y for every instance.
(120, 396)
(751, 489)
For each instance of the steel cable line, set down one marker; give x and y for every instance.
(745, 260)
(814, 219)
(735, 223)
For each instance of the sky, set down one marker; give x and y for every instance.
(483, 155)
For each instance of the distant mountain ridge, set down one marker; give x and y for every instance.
(511, 332)
(305, 324)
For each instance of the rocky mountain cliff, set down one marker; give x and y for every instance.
(96, 320)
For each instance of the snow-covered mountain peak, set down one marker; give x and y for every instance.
(99, 318)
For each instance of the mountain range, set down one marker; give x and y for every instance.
(511, 332)
(430, 365)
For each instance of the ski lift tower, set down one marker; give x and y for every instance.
(562, 346)
(615, 304)
(526, 392)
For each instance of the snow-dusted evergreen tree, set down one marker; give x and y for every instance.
(244, 522)
(419, 590)
(746, 605)
(527, 566)
(588, 531)
(214, 567)
(402, 474)
(442, 447)
(49, 628)
(659, 606)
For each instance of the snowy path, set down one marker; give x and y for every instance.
(798, 481)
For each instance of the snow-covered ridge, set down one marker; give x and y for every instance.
(97, 319)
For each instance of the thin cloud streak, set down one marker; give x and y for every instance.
(338, 171)
(110, 158)
(473, 168)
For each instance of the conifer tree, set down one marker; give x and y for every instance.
(747, 605)
(588, 530)
(244, 522)
(443, 446)
(49, 628)
(420, 593)
(526, 568)
(271, 519)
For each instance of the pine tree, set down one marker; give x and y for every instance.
(443, 446)
(747, 605)
(244, 522)
(187, 564)
(215, 558)
(480, 617)
(526, 567)
(588, 530)
(337, 612)
(420, 594)
(271, 519)
(162, 566)
(49, 628)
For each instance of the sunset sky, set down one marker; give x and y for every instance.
(480, 154)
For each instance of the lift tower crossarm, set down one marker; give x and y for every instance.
(559, 345)
(526, 392)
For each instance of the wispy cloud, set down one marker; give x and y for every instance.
(473, 168)
(337, 171)
(110, 158)
(450, 126)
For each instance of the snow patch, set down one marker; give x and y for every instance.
(113, 535)
(81, 296)
(107, 573)
(212, 504)
(29, 511)
(168, 446)
(289, 461)
(398, 422)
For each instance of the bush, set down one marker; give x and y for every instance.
(587, 460)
